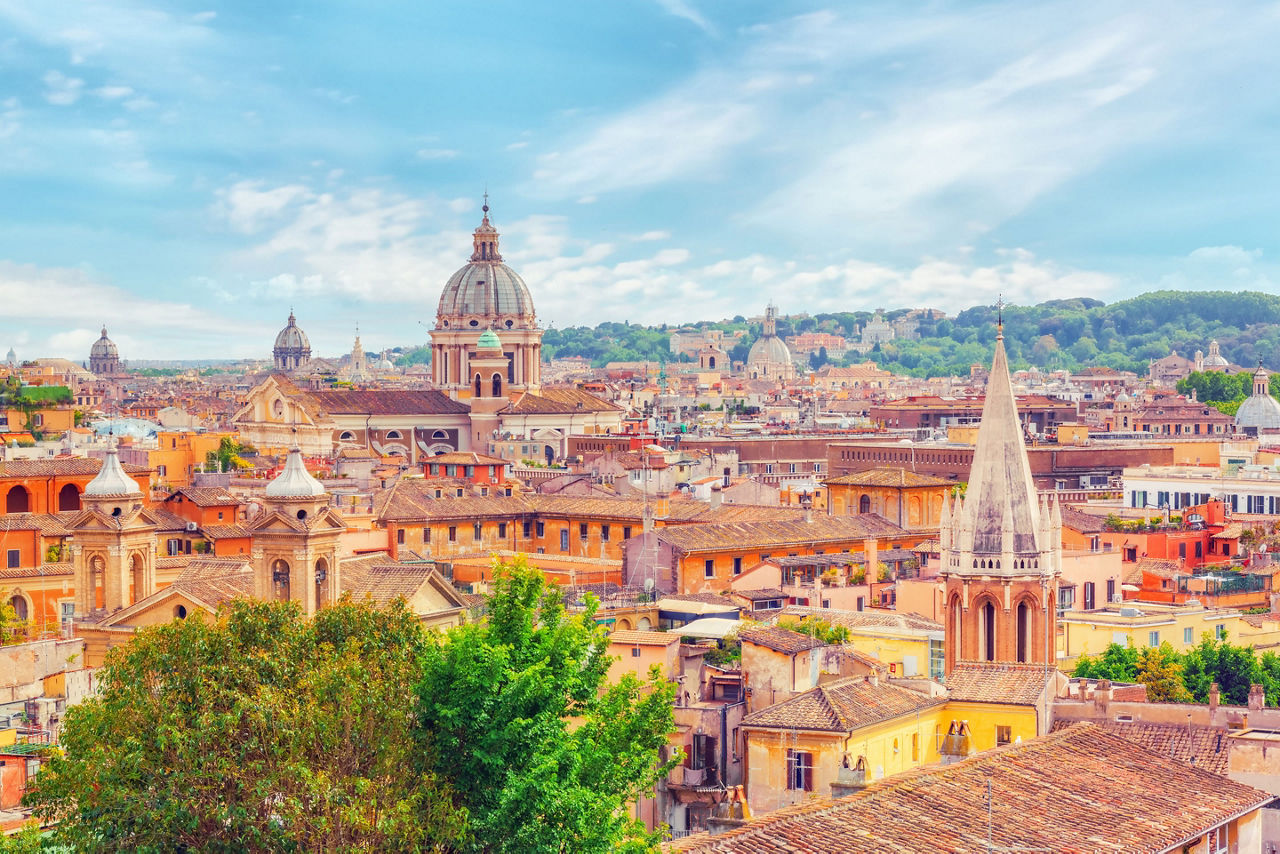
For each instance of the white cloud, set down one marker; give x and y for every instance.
(654, 235)
(62, 90)
(335, 95)
(1236, 255)
(113, 93)
(684, 10)
(515, 146)
(203, 17)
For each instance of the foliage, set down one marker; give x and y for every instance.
(229, 456)
(415, 356)
(1117, 663)
(816, 628)
(728, 652)
(1160, 669)
(883, 573)
(257, 730)
(12, 629)
(515, 715)
(25, 841)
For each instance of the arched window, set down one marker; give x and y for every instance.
(179, 612)
(136, 578)
(347, 436)
(987, 631)
(954, 643)
(322, 583)
(69, 497)
(497, 385)
(1024, 619)
(439, 434)
(19, 606)
(393, 434)
(18, 500)
(280, 580)
(864, 504)
(477, 385)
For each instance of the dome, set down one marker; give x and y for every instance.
(769, 349)
(295, 481)
(385, 365)
(104, 348)
(111, 481)
(292, 337)
(1123, 397)
(1261, 412)
(489, 341)
(485, 288)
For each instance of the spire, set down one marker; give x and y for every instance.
(1001, 492)
(295, 481)
(485, 241)
(111, 481)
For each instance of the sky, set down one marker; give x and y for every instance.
(187, 173)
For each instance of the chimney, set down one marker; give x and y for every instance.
(871, 551)
(1102, 696)
(808, 513)
(1257, 698)
(717, 495)
(1214, 694)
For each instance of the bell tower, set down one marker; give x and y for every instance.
(1000, 546)
(295, 541)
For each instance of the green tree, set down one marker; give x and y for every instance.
(1160, 669)
(516, 716)
(1117, 663)
(1233, 667)
(255, 731)
(229, 456)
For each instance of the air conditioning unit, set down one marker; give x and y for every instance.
(192, 526)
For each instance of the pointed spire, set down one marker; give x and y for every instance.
(295, 481)
(485, 240)
(111, 481)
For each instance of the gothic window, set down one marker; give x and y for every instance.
(987, 631)
(1024, 619)
(280, 580)
(864, 504)
(477, 385)
(497, 385)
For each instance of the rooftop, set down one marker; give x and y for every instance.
(842, 706)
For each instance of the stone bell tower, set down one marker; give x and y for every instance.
(1000, 546)
(113, 542)
(295, 541)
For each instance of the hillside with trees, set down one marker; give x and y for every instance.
(1060, 334)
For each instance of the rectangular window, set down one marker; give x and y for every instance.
(400, 536)
(635, 652)
(1111, 589)
(1153, 638)
(14, 558)
(542, 529)
(915, 747)
(1089, 603)
(564, 539)
(426, 535)
(702, 753)
(709, 568)
(799, 771)
(453, 533)
(502, 529)
(1199, 549)
(737, 566)
(937, 659)
(626, 532)
(1220, 631)
(528, 529)
(582, 531)
(604, 533)
(1188, 635)
(476, 532)
(1003, 735)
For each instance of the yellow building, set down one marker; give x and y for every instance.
(910, 500)
(907, 644)
(1140, 624)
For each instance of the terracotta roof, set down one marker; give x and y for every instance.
(1201, 746)
(1160, 567)
(842, 706)
(641, 638)
(468, 458)
(206, 496)
(384, 402)
(1081, 789)
(866, 619)
(778, 639)
(761, 595)
(61, 466)
(46, 523)
(778, 534)
(43, 571)
(706, 598)
(559, 401)
(224, 532)
(1019, 684)
(888, 476)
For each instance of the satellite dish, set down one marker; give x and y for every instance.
(648, 585)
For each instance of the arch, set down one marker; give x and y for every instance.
(1023, 632)
(21, 610)
(394, 434)
(18, 500)
(179, 612)
(97, 582)
(137, 581)
(322, 583)
(477, 383)
(347, 436)
(497, 385)
(280, 580)
(644, 624)
(623, 624)
(957, 627)
(914, 509)
(439, 434)
(69, 497)
(987, 630)
(864, 504)
(711, 362)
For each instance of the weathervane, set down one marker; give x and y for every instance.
(999, 317)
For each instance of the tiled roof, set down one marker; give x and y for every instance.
(385, 402)
(761, 595)
(642, 638)
(705, 598)
(43, 571)
(888, 476)
(224, 532)
(1079, 520)
(779, 640)
(1020, 684)
(843, 706)
(1161, 568)
(866, 619)
(62, 466)
(1201, 746)
(559, 401)
(207, 496)
(467, 458)
(778, 534)
(47, 524)
(1081, 789)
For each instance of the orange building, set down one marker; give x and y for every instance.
(179, 454)
(910, 500)
(52, 485)
(467, 465)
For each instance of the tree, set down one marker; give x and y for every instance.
(1160, 669)
(515, 715)
(1233, 667)
(1117, 663)
(228, 456)
(257, 730)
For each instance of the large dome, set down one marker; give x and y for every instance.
(104, 348)
(486, 292)
(770, 349)
(1260, 411)
(292, 337)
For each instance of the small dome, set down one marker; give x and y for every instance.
(385, 365)
(489, 341)
(111, 481)
(292, 337)
(1123, 397)
(104, 348)
(295, 481)
(770, 349)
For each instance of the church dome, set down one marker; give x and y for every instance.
(104, 348)
(485, 291)
(111, 481)
(1260, 410)
(489, 341)
(295, 481)
(292, 336)
(770, 349)
(1215, 358)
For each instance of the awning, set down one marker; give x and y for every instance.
(709, 627)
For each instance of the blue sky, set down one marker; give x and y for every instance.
(184, 173)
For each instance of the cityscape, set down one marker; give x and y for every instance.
(498, 496)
